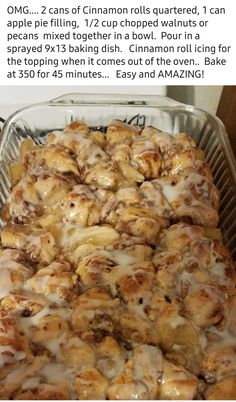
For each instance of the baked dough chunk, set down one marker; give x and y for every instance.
(219, 361)
(90, 384)
(69, 237)
(39, 247)
(131, 283)
(177, 383)
(140, 223)
(14, 345)
(192, 260)
(77, 139)
(120, 133)
(206, 306)
(77, 353)
(23, 304)
(33, 196)
(191, 195)
(81, 206)
(19, 374)
(146, 157)
(177, 336)
(111, 357)
(140, 377)
(43, 391)
(95, 312)
(14, 271)
(224, 389)
(54, 281)
(51, 159)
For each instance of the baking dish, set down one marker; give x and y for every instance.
(37, 121)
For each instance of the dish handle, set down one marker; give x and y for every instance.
(66, 99)
(114, 99)
(81, 98)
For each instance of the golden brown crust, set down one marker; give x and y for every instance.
(90, 384)
(222, 390)
(45, 391)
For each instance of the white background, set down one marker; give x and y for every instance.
(220, 30)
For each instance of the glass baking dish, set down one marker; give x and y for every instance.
(37, 121)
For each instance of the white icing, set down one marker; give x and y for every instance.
(224, 337)
(30, 383)
(217, 270)
(12, 275)
(27, 323)
(9, 355)
(54, 345)
(111, 367)
(14, 374)
(177, 321)
(123, 258)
